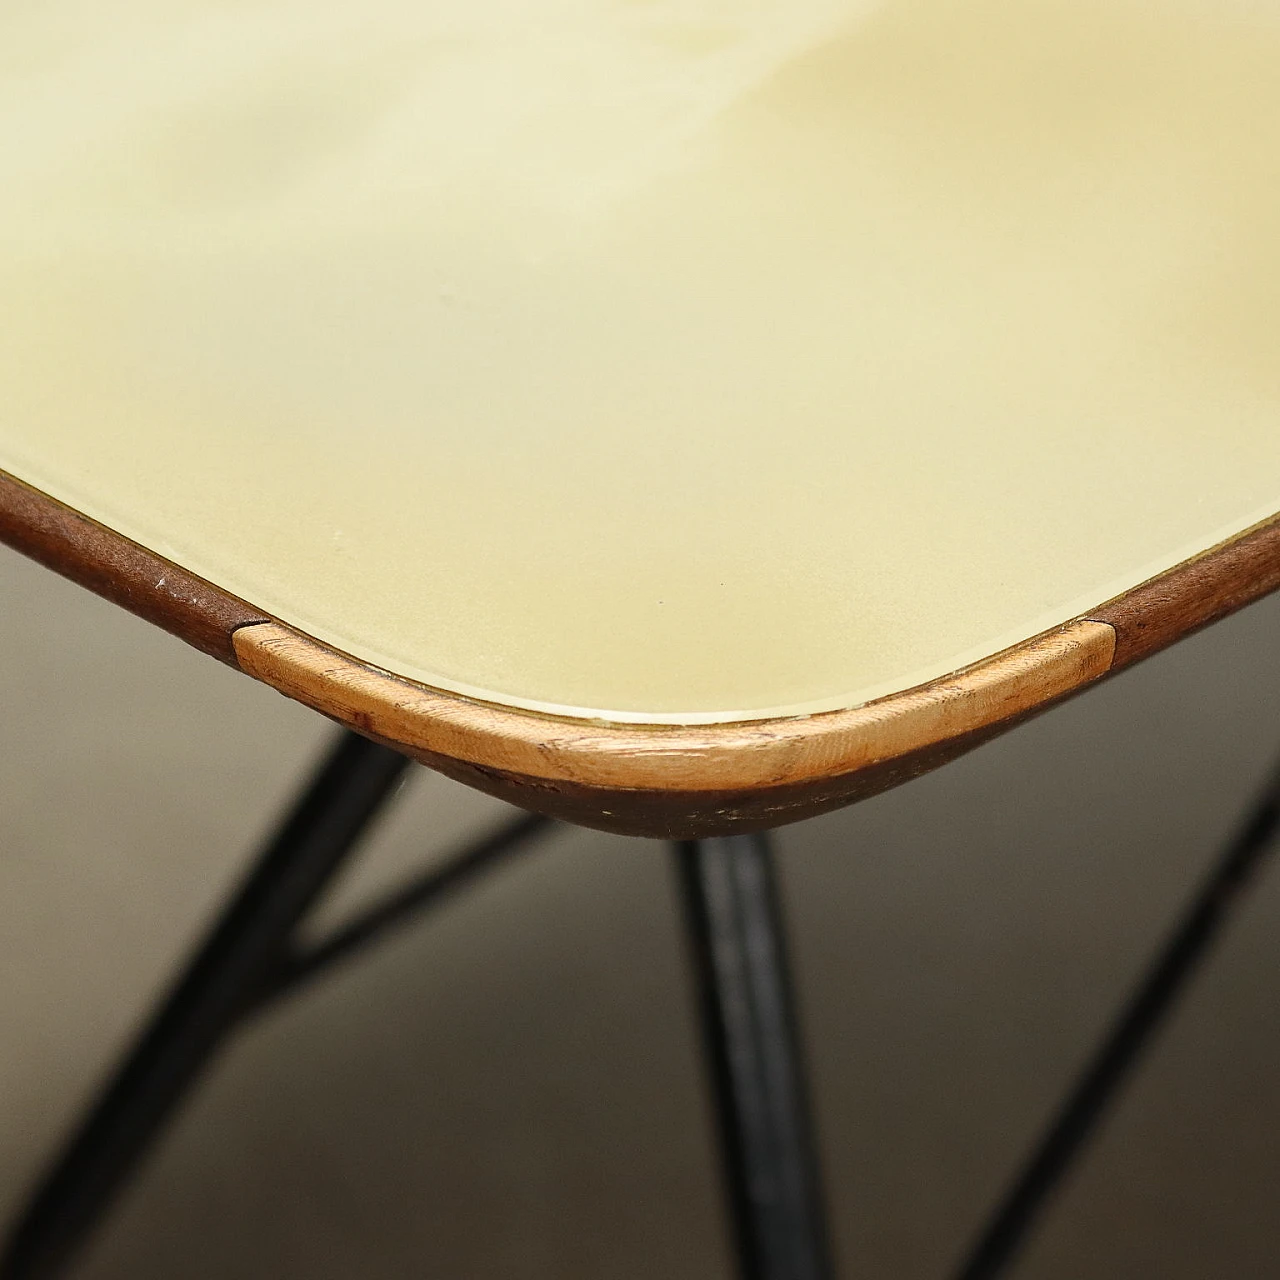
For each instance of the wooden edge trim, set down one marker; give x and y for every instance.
(720, 758)
(110, 565)
(1203, 590)
(765, 753)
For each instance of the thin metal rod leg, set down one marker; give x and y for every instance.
(770, 1166)
(1130, 1035)
(203, 1006)
(299, 968)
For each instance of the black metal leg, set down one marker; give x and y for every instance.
(1120, 1052)
(735, 927)
(203, 1007)
(300, 967)
(768, 1152)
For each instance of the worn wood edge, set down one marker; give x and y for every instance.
(766, 753)
(693, 815)
(1194, 594)
(804, 764)
(111, 565)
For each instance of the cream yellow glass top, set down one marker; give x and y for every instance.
(657, 360)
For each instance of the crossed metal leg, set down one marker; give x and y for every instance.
(205, 1004)
(734, 923)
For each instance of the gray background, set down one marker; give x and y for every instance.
(511, 1089)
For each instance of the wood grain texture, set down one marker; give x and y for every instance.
(1195, 594)
(672, 781)
(120, 570)
(692, 815)
(666, 779)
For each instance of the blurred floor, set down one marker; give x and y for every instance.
(511, 1088)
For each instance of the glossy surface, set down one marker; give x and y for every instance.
(668, 361)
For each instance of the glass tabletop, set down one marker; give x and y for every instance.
(674, 362)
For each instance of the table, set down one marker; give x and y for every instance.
(676, 419)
